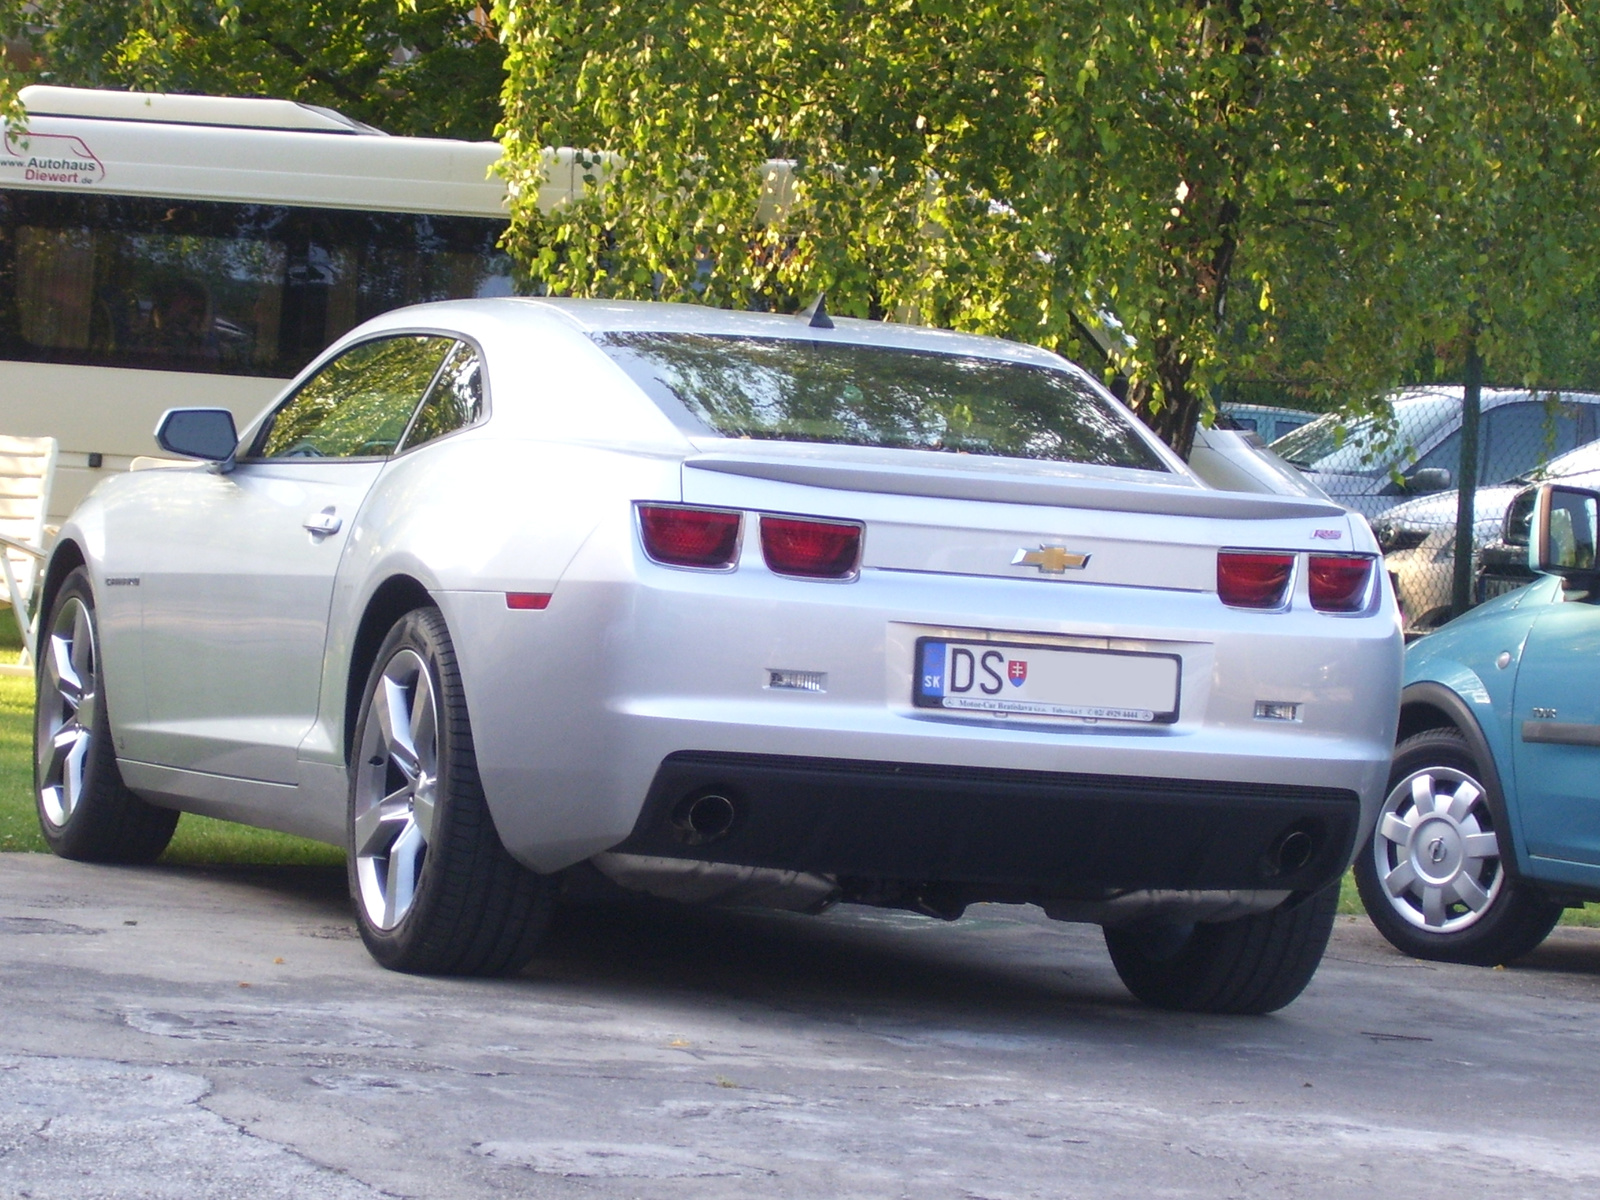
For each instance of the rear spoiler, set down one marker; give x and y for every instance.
(1178, 500)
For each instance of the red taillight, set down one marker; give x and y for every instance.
(1253, 579)
(813, 549)
(689, 537)
(528, 601)
(1339, 582)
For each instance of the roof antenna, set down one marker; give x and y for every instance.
(817, 315)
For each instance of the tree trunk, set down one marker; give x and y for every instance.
(1179, 413)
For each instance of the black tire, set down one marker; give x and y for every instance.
(1513, 919)
(85, 810)
(435, 891)
(1247, 966)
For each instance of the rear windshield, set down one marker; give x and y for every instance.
(789, 390)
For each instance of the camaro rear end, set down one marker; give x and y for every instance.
(751, 609)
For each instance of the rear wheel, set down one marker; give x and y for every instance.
(1434, 879)
(85, 810)
(1251, 965)
(435, 890)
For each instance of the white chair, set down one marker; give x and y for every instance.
(27, 469)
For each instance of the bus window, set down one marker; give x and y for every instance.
(55, 286)
(231, 289)
(202, 302)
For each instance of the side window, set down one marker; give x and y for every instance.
(456, 400)
(1446, 454)
(1524, 436)
(358, 405)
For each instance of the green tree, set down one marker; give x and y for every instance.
(16, 57)
(1166, 189)
(1082, 175)
(1495, 230)
(424, 67)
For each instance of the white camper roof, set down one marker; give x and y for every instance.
(234, 111)
(259, 151)
(254, 152)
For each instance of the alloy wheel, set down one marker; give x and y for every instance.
(68, 700)
(1435, 850)
(396, 788)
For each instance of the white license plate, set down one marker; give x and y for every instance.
(1000, 678)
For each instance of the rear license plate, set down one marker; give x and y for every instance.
(1000, 678)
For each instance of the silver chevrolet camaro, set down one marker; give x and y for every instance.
(523, 597)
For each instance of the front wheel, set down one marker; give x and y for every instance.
(85, 810)
(435, 890)
(1247, 966)
(1434, 879)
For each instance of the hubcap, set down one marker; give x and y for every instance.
(396, 788)
(1435, 850)
(68, 698)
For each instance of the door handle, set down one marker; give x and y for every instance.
(321, 524)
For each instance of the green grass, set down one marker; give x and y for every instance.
(199, 840)
(1349, 902)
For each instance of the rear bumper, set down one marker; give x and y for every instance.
(1000, 834)
(579, 709)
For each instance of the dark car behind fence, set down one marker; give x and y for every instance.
(1405, 472)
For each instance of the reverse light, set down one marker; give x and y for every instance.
(1253, 578)
(680, 536)
(811, 548)
(1339, 582)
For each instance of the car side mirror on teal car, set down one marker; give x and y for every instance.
(1516, 528)
(1565, 521)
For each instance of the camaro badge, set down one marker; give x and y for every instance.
(1017, 671)
(1051, 560)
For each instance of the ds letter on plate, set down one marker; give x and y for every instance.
(998, 679)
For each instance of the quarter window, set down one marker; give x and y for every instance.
(456, 400)
(359, 404)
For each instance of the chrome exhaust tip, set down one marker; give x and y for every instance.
(704, 817)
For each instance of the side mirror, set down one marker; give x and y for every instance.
(198, 433)
(1429, 479)
(1565, 520)
(1518, 524)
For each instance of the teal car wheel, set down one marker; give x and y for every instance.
(1434, 878)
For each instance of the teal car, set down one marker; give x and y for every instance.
(1491, 824)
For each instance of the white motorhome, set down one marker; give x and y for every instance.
(159, 251)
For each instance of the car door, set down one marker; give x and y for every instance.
(1555, 734)
(236, 592)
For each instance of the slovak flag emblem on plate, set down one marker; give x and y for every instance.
(1017, 671)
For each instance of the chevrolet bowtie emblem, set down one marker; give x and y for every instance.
(1051, 560)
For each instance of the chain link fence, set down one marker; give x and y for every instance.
(1403, 471)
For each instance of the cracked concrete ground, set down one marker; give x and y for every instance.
(178, 1032)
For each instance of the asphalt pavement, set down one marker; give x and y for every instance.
(201, 1033)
